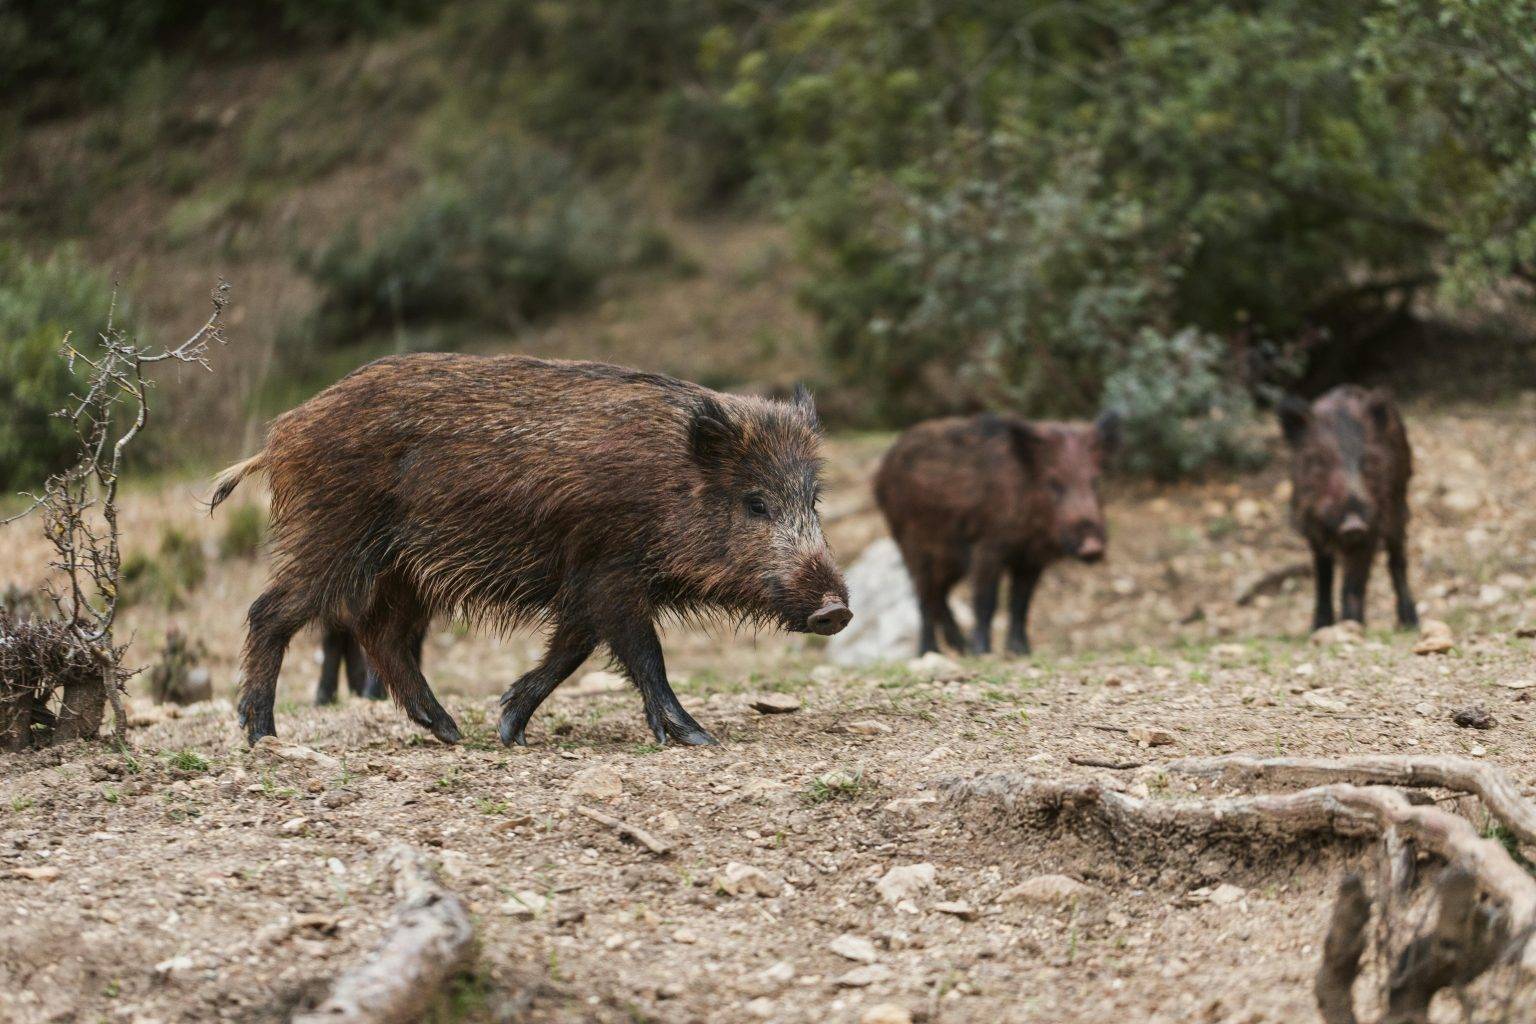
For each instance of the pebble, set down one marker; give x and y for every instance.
(599, 782)
(775, 703)
(868, 727)
(863, 977)
(957, 908)
(937, 668)
(1226, 894)
(1435, 637)
(887, 1013)
(525, 905)
(854, 947)
(1150, 736)
(1046, 889)
(745, 880)
(906, 882)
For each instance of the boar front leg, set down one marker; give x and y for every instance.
(1357, 572)
(1397, 563)
(1322, 572)
(1021, 588)
(638, 651)
(569, 645)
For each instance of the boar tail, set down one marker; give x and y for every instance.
(225, 483)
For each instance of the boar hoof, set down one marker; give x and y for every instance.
(514, 728)
(446, 730)
(256, 723)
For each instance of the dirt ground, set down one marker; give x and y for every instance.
(199, 881)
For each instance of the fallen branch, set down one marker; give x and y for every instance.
(1089, 761)
(1490, 785)
(657, 846)
(430, 941)
(1339, 810)
(1270, 583)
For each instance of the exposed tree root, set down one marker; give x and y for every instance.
(431, 941)
(1486, 903)
(1490, 785)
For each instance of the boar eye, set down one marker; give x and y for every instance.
(756, 506)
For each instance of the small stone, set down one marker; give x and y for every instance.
(1051, 889)
(775, 703)
(1424, 708)
(1474, 717)
(772, 978)
(762, 1007)
(525, 905)
(1515, 684)
(45, 873)
(599, 782)
(745, 880)
(957, 908)
(887, 1013)
(1322, 702)
(293, 826)
(1226, 894)
(1229, 652)
(686, 936)
(937, 668)
(1435, 637)
(868, 727)
(854, 947)
(906, 882)
(174, 966)
(912, 806)
(936, 754)
(1462, 501)
(1340, 634)
(1247, 511)
(1150, 736)
(863, 977)
(271, 746)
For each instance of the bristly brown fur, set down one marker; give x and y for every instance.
(1350, 464)
(985, 494)
(510, 490)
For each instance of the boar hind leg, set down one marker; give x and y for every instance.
(986, 575)
(273, 619)
(569, 646)
(333, 649)
(1357, 572)
(638, 651)
(361, 677)
(386, 631)
(1322, 571)
(1021, 588)
(1397, 564)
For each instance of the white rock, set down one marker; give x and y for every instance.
(1151, 736)
(745, 880)
(937, 668)
(1226, 894)
(1323, 703)
(762, 1007)
(884, 626)
(956, 908)
(936, 754)
(1046, 889)
(854, 947)
(525, 904)
(685, 936)
(599, 782)
(887, 1013)
(906, 882)
(1435, 637)
(863, 977)
(868, 727)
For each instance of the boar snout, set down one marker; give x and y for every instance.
(1353, 528)
(830, 618)
(1091, 549)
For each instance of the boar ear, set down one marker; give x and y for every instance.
(806, 405)
(712, 434)
(1294, 414)
(1108, 428)
(1379, 405)
(1027, 443)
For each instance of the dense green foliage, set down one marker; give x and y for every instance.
(512, 238)
(42, 301)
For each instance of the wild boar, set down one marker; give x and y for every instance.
(339, 648)
(1350, 465)
(988, 494)
(508, 490)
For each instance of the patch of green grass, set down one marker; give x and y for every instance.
(21, 803)
(837, 785)
(493, 807)
(187, 761)
(110, 795)
(465, 998)
(649, 748)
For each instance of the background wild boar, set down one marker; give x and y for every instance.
(1350, 464)
(339, 648)
(509, 490)
(987, 494)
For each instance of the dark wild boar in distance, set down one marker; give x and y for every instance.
(1350, 464)
(509, 490)
(986, 495)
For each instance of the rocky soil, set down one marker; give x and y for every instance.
(811, 868)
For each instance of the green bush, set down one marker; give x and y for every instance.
(513, 238)
(244, 527)
(41, 301)
(1182, 410)
(167, 578)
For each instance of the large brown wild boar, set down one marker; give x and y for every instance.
(1350, 464)
(508, 490)
(988, 494)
